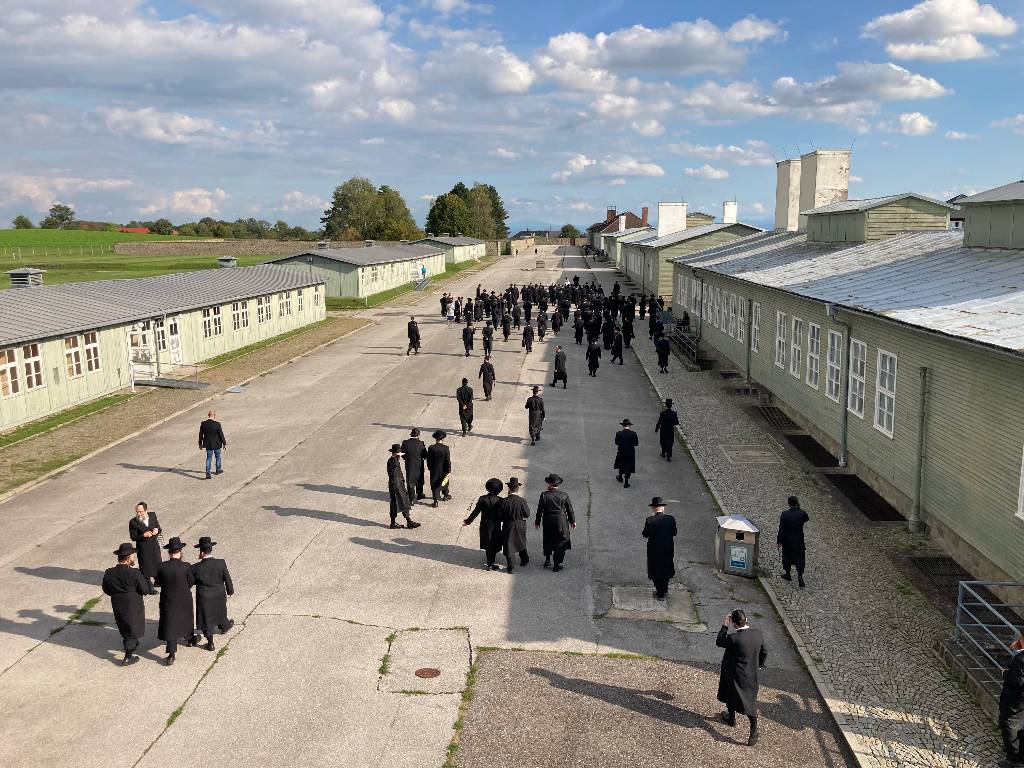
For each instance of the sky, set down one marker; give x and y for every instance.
(137, 109)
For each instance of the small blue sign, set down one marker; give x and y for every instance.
(738, 557)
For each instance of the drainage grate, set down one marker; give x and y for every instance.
(750, 454)
(813, 451)
(864, 498)
(729, 374)
(776, 417)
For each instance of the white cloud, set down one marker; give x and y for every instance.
(580, 205)
(959, 135)
(735, 100)
(1015, 123)
(649, 127)
(195, 201)
(447, 7)
(41, 192)
(372, 141)
(617, 182)
(754, 152)
(504, 154)
(856, 179)
(300, 201)
(757, 209)
(707, 172)
(910, 124)
(350, 15)
(940, 30)
(476, 68)
(399, 110)
(625, 165)
(164, 127)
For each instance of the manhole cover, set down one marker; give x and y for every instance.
(750, 454)
(427, 672)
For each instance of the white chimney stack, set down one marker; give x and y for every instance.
(671, 218)
(622, 223)
(729, 212)
(824, 179)
(787, 194)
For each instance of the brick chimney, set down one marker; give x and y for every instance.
(610, 214)
(643, 216)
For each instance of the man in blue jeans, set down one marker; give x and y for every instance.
(211, 437)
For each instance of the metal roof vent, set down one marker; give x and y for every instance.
(323, 244)
(369, 243)
(226, 262)
(26, 277)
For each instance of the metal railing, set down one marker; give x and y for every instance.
(985, 627)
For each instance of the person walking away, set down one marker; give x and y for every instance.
(579, 326)
(506, 326)
(626, 441)
(414, 337)
(488, 336)
(542, 324)
(464, 396)
(535, 406)
(398, 490)
(528, 338)
(488, 507)
(744, 656)
(415, 453)
(662, 347)
(467, 338)
(516, 317)
(561, 374)
(488, 375)
(554, 511)
(593, 357)
(211, 438)
(514, 514)
(617, 347)
(213, 588)
(668, 420)
(527, 311)
(659, 530)
(439, 462)
(608, 332)
(126, 585)
(175, 579)
(144, 530)
(556, 322)
(1011, 705)
(627, 332)
(791, 540)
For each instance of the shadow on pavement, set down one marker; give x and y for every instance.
(196, 474)
(451, 431)
(57, 573)
(444, 553)
(349, 490)
(319, 514)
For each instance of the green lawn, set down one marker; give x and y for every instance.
(34, 428)
(110, 266)
(64, 238)
(228, 356)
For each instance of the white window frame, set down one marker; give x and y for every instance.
(284, 304)
(91, 342)
(207, 323)
(717, 304)
(796, 350)
(301, 295)
(1020, 488)
(732, 315)
(755, 328)
(834, 366)
(316, 295)
(240, 315)
(694, 295)
(10, 375)
(885, 396)
(32, 363)
(741, 327)
(781, 329)
(263, 309)
(857, 386)
(813, 355)
(73, 357)
(218, 325)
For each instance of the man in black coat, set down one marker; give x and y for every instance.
(488, 336)
(528, 337)
(143, 529)
(617, 347)
(514, 514)
(535, 407)
(662, 347)
(506, 326)
(212, 440)
(791, 540)
(413, 332)
(398, 489)
(489, 508)
(542, 324)
(488, 376)
(744, 656)
(1011, 705)
(126, 586)
(659, 530)
(467, 338)
(579, 326)
(561, 374)
(464, 396)
(213, 588)
(668, 420)
(593, 355)
(175, 579)
(626, 441)
(516, 316)
(554, 510)
(439, 462)
(627, 332)
(415, 457)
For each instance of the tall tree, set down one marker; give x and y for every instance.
(161, 227)
(59, 217)
(393, 220)
(499, 213)
(569, 230)
(481, 213)
(449, 215)
(353, 210)
(462, 191)
(21, 221)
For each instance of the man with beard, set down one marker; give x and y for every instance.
(668, 420)
(126, 586)
(175, 579)
(506, 326)
(439, 462)
(488, 507)
(608, 332)
(556, 322)
(579, 326)
(738, 682)
(213, 588)
(627, 331)
(464, 396)
(542, 324)
(398, 490)
(144, 529)
(415, 453)
(488, 336)
(617, 347)
(488, 375)
(663, 349)
(535, 406)
(554, 510)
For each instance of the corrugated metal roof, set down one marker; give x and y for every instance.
(925, 279)
(363, 256)
(692, 232)
(450, 240)
(47, 311)
(640, 236)
(867, 203)
(626, 232)
(1003, 194)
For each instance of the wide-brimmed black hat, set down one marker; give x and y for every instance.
(205, 542)
(396, 448)
(657, 501)
(174, 545)
(494, 485)
(124, 550)
(626, 423)
(440, 434)
(553, 479)
(513, 483)
(668, 403)
(536, 388)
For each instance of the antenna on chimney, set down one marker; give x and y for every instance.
(854, 141)
(812, 145)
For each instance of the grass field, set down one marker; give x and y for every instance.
(67, 238)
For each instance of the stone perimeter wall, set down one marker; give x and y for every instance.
(267, 248)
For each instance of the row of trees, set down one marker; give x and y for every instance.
(475, 212)
(361, 211)
(60, 216)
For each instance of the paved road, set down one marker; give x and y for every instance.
(325, 590)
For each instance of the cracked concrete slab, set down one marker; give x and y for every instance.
(639, 604)
(444, 650)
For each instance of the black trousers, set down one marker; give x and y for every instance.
(616, 357)
(789, 560)
(172, 645)
(753, 720)
(439, 492)
(1012, 729)
(491, 555)
(488, 386)
(415, 486)
(558, 553)
(467, 421)
(130, 642)
(488, 346)
(661, 586)
(666, 448)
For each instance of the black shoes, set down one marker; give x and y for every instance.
(434, 505)
(787, 577)
(618, 478)
(728, 718)
(169, 660)
(219, 472)
(547, 562)
(209, 645)
(396, 525)
(557, 568)
(656, 596)
(129, 659)
(192, 642)
(800, 581)
(412, 524)
(626, 484)
(227, 627)
(207, 475)
(753, 739)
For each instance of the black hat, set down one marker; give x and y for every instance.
(174, 545)
(124, 550)
(626, 423)
(396, 448)
(494, 485)
(205, 542)
(513, 483)
(668, 403)
(415, 432)
(553, 479)
(657, 501)
(536, 388)
(440, 434)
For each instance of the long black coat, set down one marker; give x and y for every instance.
(439, 462)
(528, 337)
(663, 349)
(514, 514)
(617, 346)
(175, 579)
(556, 516)
(791, 534)
(593, 356)
(126, 586)
(668, 420)
(1011, 697)
(535, 405)
(489, 509)
(467, 337)
(415, 456)
(211, 435)
(626, 441)
(414, 334)
(464, 395)
(659, 531)
(487, 372)
(744, 656)
(608, 332)
(560, 362)
(147, 549)
(213, 585)
(398, 489)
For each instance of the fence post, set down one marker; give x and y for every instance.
(959, 606)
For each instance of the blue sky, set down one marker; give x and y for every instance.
(133, 109)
